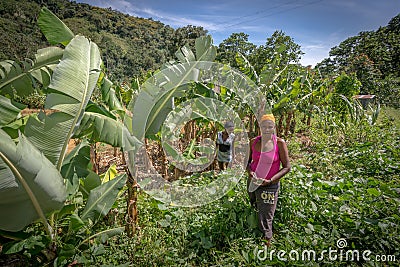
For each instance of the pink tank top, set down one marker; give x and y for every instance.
(265, 164)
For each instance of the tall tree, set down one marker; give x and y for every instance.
(235, 43)
(186, 36)
(279, 45)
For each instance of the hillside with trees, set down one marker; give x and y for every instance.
(115, 164)
(374, 56)
(130, 46)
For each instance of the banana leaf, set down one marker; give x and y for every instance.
(30, 185)
(156, 99)
(22, 76)
(53, 28)
(102, 198)
(100, 128)
(9, 110)
(109, 96)
(71, 86)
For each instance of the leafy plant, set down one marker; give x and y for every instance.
(37, 176)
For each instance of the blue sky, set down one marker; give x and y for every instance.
(316, 25)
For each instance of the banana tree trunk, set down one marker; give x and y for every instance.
(131, 202)
(293, 123)
(279, 128)
(288, 122)
(93, 157)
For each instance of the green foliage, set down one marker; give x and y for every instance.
(38, 180)
(344, 182)
(23, 77)
(345, 87)
(279, 48)
(53, 28)
(130, 46)
(30, 187)
(388, 91)
(234, 44)
(373, 56)
(338, 188)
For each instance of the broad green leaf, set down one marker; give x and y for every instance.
(21, 235)
(109, 97)
(95, 108)
(14, 128)
(29, 244)
(30, 185)
(105, 235)
(75, 222)
(205, 50)
(9, 110)
(71, 86)
(20, 76)
(154, 101)
(13, 77)
(89, 183)
(102, 198)
(252, 220)
(77, 161)
(53, 28)
(246, 68)
(185, 55)
(100, 128)
(158, 114)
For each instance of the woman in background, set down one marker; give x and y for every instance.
(225, 145)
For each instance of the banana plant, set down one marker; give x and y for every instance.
(48, 135)
(153, 104)
(32, 184)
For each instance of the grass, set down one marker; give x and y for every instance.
(391, 114)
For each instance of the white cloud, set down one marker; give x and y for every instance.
(314, 52)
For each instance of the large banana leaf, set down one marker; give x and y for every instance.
(155, 100)
(14, 128)
(102, 198)
(109, 96)
(100, 128)
(205, 50)
(30, 185)
(9, 110)
(70, 89)
(76, 167)
(21, 76)
(53, 28)
(77, 161)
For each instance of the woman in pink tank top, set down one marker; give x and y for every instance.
(269, 162)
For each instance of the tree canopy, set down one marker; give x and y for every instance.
(130, 46)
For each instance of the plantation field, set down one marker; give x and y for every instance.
(95, 172)
(339, 188)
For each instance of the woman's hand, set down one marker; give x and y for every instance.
(266, 182)
(254, 179)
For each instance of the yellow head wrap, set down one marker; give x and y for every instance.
(268, 117)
